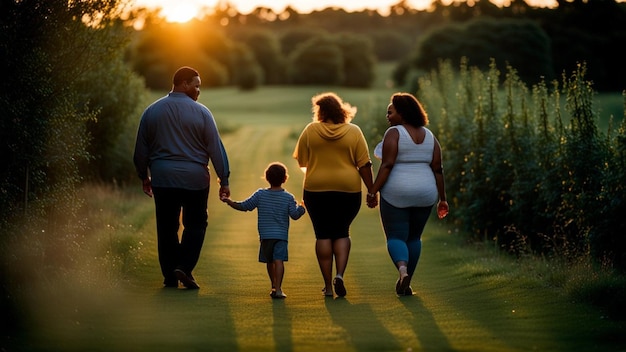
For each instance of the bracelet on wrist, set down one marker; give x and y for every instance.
(371, 195)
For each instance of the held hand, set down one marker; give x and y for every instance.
(224, 192)
(442, 209)
(147, 187)
(372, 200)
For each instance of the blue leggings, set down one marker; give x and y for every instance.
(403, 228)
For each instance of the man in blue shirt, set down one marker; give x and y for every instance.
(177, 137)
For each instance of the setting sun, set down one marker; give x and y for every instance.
(180, 11)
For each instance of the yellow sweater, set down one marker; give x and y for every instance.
(332, 155)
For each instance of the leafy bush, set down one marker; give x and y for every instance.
(318, 61)
(265, 47)
(339, 60)
(118, 99)
(519, 43)
(390, 45)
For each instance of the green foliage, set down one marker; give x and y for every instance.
(252, 55)
(266, 49)
(572, 32)
(339, 60)
(318, 61)
(50, 53)
(529, 169)
(50, 50)
(390, 45)
(358, 60)
(249, 74)
(161, 48)
(589, 31)
(117, 97)
(607, 236)
(292, 38)
(519, 43)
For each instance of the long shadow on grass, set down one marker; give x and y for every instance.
(282, 326)
(424, 325)
(364, 330)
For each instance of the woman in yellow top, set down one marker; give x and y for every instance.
(334, 155)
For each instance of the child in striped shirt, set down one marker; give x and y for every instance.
(274, 206)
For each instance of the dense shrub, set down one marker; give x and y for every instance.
(390, 45)
(359, 60)
(265, 47)
(519, 43)
(117, 97)
(292, 38)
(248, 74)
(318, 61)
(342, 59)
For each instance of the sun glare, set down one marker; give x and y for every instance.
(180, 12)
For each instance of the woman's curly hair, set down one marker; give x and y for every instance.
(329, 107)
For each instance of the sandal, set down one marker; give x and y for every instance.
(403, 285)
(279, 295)
(340, 289)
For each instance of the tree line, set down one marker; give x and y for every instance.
(265, 47)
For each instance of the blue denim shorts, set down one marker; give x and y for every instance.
(273, 249)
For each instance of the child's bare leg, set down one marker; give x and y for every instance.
(270, 273)
(278, 274)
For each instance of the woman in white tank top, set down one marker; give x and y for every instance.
(410, 180)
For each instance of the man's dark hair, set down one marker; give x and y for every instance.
(184, 74)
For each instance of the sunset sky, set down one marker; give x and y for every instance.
(183, 10)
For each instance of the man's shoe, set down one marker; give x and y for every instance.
(186, 280)
(170, 282)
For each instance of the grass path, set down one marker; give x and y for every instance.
(463, 301)
(466, 300)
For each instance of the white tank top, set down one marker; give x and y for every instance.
(411, 182)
